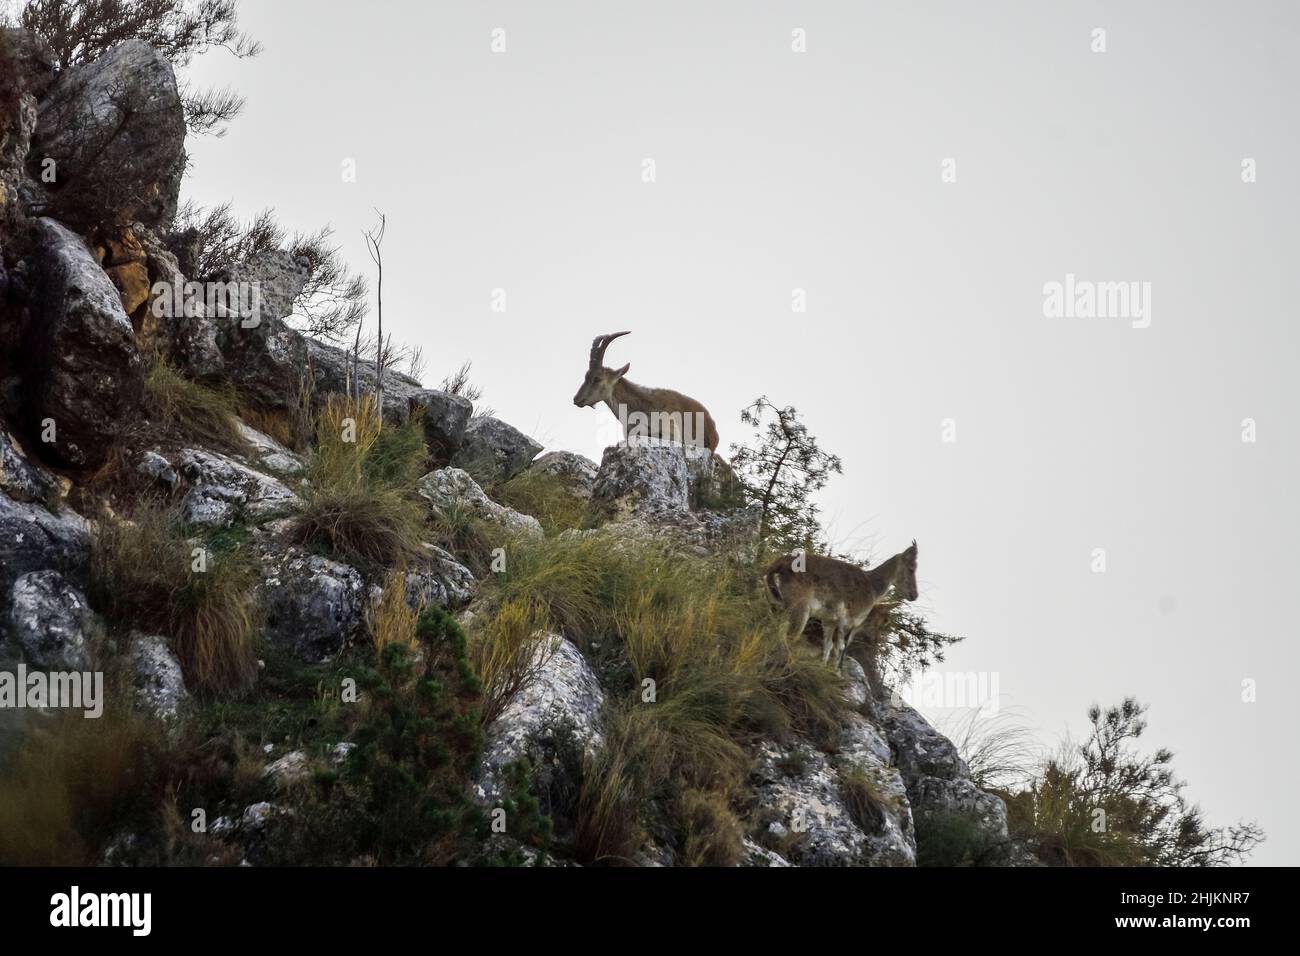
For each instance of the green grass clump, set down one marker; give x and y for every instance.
(695, 668)
(145, 574)
(199, 411)
(360, 505)
(545, 496)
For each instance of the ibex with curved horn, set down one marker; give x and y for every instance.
(644, 412)
(839, 594)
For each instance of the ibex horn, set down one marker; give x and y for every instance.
(600, 344)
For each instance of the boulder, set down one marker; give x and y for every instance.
(85, 371)
(155, 466)
(578, 474)
(294, 767)
(801, 794)
(314, 606)
(222, 490)
(563, 689)
(439, 580)
(31, 67)
(262, 355)
(156, 677)
(178, 323)
(50, 622)
(329, 369)
(641, 477)
(449, 490)
(33, 539)
(493, 451)
(23, 480)
(444, 417)
(269, 453)
(115, 129)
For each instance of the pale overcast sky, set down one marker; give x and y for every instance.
(823, 171)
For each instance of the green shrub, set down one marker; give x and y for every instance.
(400, 797)
(954, 839)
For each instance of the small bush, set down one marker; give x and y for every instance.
(954, 839)
(360, 505)
(143, 574)
(394, 621)
(401, 795)
(202, 412)
(507, 652)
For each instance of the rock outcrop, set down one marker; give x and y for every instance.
(222, 489)
(157, 680)
(492, 451)
(50, 622)
(450, 490)
(86, 376)
(114, 130)
(563, 689)
(314, 606)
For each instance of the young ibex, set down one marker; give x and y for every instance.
(644, 412)
(839, 594)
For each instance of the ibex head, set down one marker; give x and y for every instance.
(905, 581)
(599, 384)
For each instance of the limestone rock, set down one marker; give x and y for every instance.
(449, 489)
(329, 369)
(86, 374)
(262, 354)
(494, 451)
(115, 129)
(222, 489)
(268, 452)
(439, 580)
(639, 477)
(33, 539)
(444, 417)
(564, 688)
(577, 473)
(50, 622)
(157, 680)
(314, 606)
(24, 480)
(937, 778)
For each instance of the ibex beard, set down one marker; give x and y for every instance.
(838, 594)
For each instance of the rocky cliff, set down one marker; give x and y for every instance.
(93, 296)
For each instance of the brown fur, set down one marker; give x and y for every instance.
(658, 405)
(838, 594)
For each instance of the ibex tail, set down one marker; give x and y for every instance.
(772, 578)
